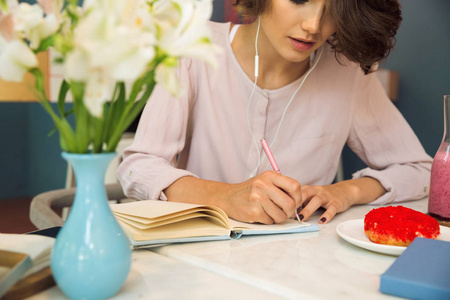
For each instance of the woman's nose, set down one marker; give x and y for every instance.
(313, 20)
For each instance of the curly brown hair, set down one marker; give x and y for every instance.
(365, 29)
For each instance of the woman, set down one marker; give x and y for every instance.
(310, 90)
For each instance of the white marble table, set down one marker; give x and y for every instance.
(154, 276)
(318, 265)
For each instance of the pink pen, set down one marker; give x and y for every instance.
(269, 154)
(273, 163)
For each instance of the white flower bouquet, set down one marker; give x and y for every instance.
(113, 53)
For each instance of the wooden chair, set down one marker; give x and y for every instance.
(42, 208)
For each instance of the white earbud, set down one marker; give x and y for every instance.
(256, 50)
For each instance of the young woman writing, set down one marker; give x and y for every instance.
(302, 77)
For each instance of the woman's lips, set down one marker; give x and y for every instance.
(301, 45)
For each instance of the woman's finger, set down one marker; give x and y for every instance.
(291, 188)
(282, 200)
(273, 211)
(261, 209)
(308, 192)
(328, 214)
(314, 204)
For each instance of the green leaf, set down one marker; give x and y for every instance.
(45, 44)
(69, 112)
(117, 109)
(131, 112)
(98, 127)
(82, 118)
(62, 97)
(67, 136)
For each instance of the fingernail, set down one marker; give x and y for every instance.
(323, 220)
(301, 217)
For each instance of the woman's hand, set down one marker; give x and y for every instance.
(338, 197)
(267, 198)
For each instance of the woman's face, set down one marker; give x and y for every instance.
(296, 28)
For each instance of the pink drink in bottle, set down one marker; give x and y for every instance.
(439, 197)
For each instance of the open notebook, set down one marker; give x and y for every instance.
(153, 222)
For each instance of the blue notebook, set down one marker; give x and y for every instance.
(422, 271)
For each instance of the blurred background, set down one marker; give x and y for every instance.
(31, 162)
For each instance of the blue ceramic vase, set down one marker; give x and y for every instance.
(91, 257)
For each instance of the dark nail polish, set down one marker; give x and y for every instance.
(301, 217)
(323, 220)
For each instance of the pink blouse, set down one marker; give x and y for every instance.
(205, 132)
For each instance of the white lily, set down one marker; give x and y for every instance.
(26, 17)
(182, 29)
(102, 44)
(16, 58)
(48, 26)
(98, 89)
(110, 41)
(52, 7)
(31, 24)
(76, 66)
(110, 45)
(166, 75)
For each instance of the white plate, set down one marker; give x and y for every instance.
(353, 232)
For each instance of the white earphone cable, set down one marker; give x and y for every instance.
(251, 97)
(258, 149)
(293, 95)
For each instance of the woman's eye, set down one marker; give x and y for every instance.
(299, 1)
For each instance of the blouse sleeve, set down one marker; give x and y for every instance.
(383, 139)
(149, 163)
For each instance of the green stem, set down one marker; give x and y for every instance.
(130, 113)
(132, 107)
(82, 118)
(98, 127)
(116, 110)
(67, 136)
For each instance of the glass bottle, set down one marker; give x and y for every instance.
(439, 197)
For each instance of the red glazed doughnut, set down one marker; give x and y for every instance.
(399, 226)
